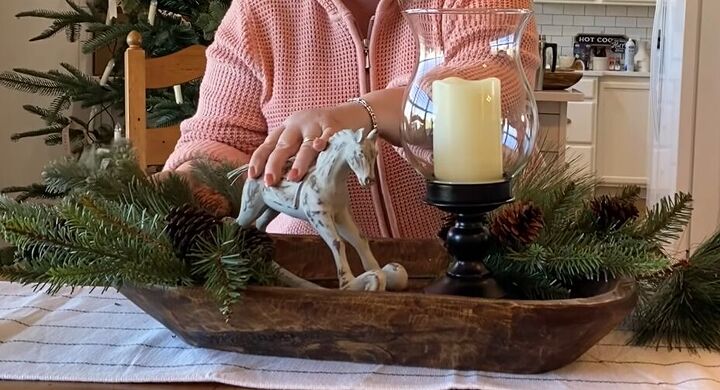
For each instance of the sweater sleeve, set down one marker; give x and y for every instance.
(229, 124)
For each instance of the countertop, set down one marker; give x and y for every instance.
(571, 95)
(599, 73)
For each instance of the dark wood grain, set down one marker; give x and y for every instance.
(561, 79)
(410, 328)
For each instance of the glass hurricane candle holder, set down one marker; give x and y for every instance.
(470, 121)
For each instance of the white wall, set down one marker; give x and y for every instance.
(706, 180)
(22, 161)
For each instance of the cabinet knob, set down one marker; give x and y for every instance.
(569, 121)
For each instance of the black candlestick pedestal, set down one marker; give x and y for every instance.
(468, 242)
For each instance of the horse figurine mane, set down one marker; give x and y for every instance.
(322, 199)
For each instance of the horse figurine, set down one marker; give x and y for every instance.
(321, 199)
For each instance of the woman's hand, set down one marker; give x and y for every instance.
(303, 135)
(306, 133)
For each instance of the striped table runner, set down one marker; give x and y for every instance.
(83, 336)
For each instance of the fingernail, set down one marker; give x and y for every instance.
(252, 172)
(269, 179)
(293, 175)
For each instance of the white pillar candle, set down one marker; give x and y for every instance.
(467, 143)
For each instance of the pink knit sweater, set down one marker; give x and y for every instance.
(272, 58)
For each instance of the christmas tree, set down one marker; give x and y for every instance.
(167, 26)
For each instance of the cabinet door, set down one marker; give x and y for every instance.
(549, 136)
(622, 132)
(580, 122)
(580, 157)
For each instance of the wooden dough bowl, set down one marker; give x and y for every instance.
(409, 329)
(561, 79)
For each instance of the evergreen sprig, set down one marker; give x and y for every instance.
(224, 265)
(79, 246)
(666, 220)
(681, 309)
(62, 20)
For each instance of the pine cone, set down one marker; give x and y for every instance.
(517, 225)
(448, 221)
(253, 239)
(611, 212)
(186, 225)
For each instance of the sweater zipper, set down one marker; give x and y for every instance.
(366, 87)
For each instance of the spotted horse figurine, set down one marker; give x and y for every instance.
(322, 199)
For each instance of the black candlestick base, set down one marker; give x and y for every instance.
(468, 242)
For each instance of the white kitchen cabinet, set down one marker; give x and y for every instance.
(602, 2)
(622, 132)
(581, 122)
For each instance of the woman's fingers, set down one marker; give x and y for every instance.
(305, 157)
(286, 147)
(321, 142)
(260, 157)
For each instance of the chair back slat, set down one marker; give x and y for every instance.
(160, 143)
(154, 146)
(175, 69)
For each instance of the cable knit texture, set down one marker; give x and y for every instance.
(272, 58)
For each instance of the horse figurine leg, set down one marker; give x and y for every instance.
(326, 228)
(395, 274)
(253, 207)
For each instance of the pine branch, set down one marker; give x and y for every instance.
(106, 35)
(35, 133)
(215, 176)
(62, 20)
(665, 221)
(21, 80)
(159, 197)
(166, 112)
(34, 191)
(107, 237)
(62, 176)
(220, 262)
(541, 182)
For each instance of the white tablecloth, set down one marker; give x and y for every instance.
(83, 336)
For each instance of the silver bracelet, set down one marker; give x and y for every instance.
(368, 108)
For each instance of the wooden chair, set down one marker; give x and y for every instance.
(153, 146)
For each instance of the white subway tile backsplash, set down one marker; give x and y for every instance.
(615, 30)
(562, 20)
(636, 33)
(556, 9)
(583, 20)
(593, 30)
(605, 21)
(574, 9)
(543, 19)
(623, 21)
(616, 10)
(645, 22)
(550, 30)
(638, 12)
(595, 10)
(571, 31)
